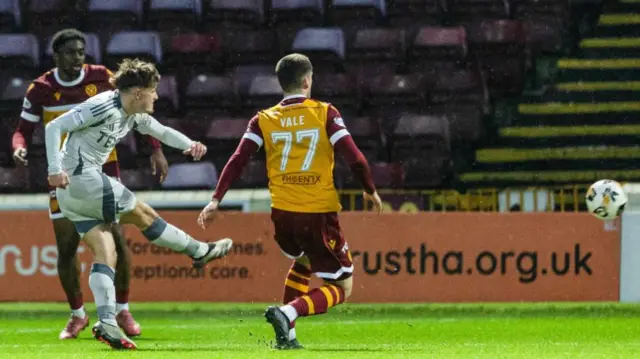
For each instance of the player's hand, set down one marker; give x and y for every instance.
(159, 163)
(59, 180)
(197, 151)
(207, 214)
(20, 156)
(374, 198)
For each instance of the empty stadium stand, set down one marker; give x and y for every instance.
(437, 93)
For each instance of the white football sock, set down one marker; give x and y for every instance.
(169, 236)
(290, 312)
(292, 333)
(121, 306)
(80, 313)
(104, 292)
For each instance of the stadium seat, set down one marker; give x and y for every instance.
(19, 52)
(13, 179)
(140, 44)
(325, 46)
(352, 15)
(194, 125)
(472, 11)
(500, 49)
(45, 17)
(264, 91)
(168, 97)
(338, 89)
(233, 14)
(251, 47)
(244, 74)
(108, 17)
(193, 52)
(174, 16)
(376, 44)
(387, 175)
(223, 136)
(545, 36)
(365, 132)
(393, 91)
(92, 47)
(465, 123)
(408, 13)
(456, 86)
(437, 47)
(13, 89)
(289, 16)
(195, 175)
(10, 16)
(427, 135)
(205, 91)
(137, 180)
(254, 174)
(430, 170)
(417, 132)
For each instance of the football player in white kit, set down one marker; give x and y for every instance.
(94, 201)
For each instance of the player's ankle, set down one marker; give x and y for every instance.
(79, 313)
(121, 307)
(290, 312)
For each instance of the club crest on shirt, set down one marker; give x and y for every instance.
(57, 96)
(339, 121)
(91, 90)
(26, 104)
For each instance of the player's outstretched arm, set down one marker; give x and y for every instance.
(148, 125)
(249, 144)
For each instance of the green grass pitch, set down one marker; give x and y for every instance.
(205, 330)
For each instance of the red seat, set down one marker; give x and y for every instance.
(10, 15)
(46, 17)
(173, 16)
(190, 53)
(107, 18)
(233, 14)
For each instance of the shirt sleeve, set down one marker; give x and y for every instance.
(335, 126)
(32, 103)
(148, 125)
(254, 133)
(22, 136)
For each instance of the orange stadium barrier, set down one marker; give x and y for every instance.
(399, 257)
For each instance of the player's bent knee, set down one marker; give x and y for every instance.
(345, 284)
(142, 216)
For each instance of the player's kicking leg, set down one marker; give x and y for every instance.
(67, 241)
(101, 281)
(163, 234)
(123, 270)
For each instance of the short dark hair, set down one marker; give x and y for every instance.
(291, 70)
(135, 73)
(61, 37)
